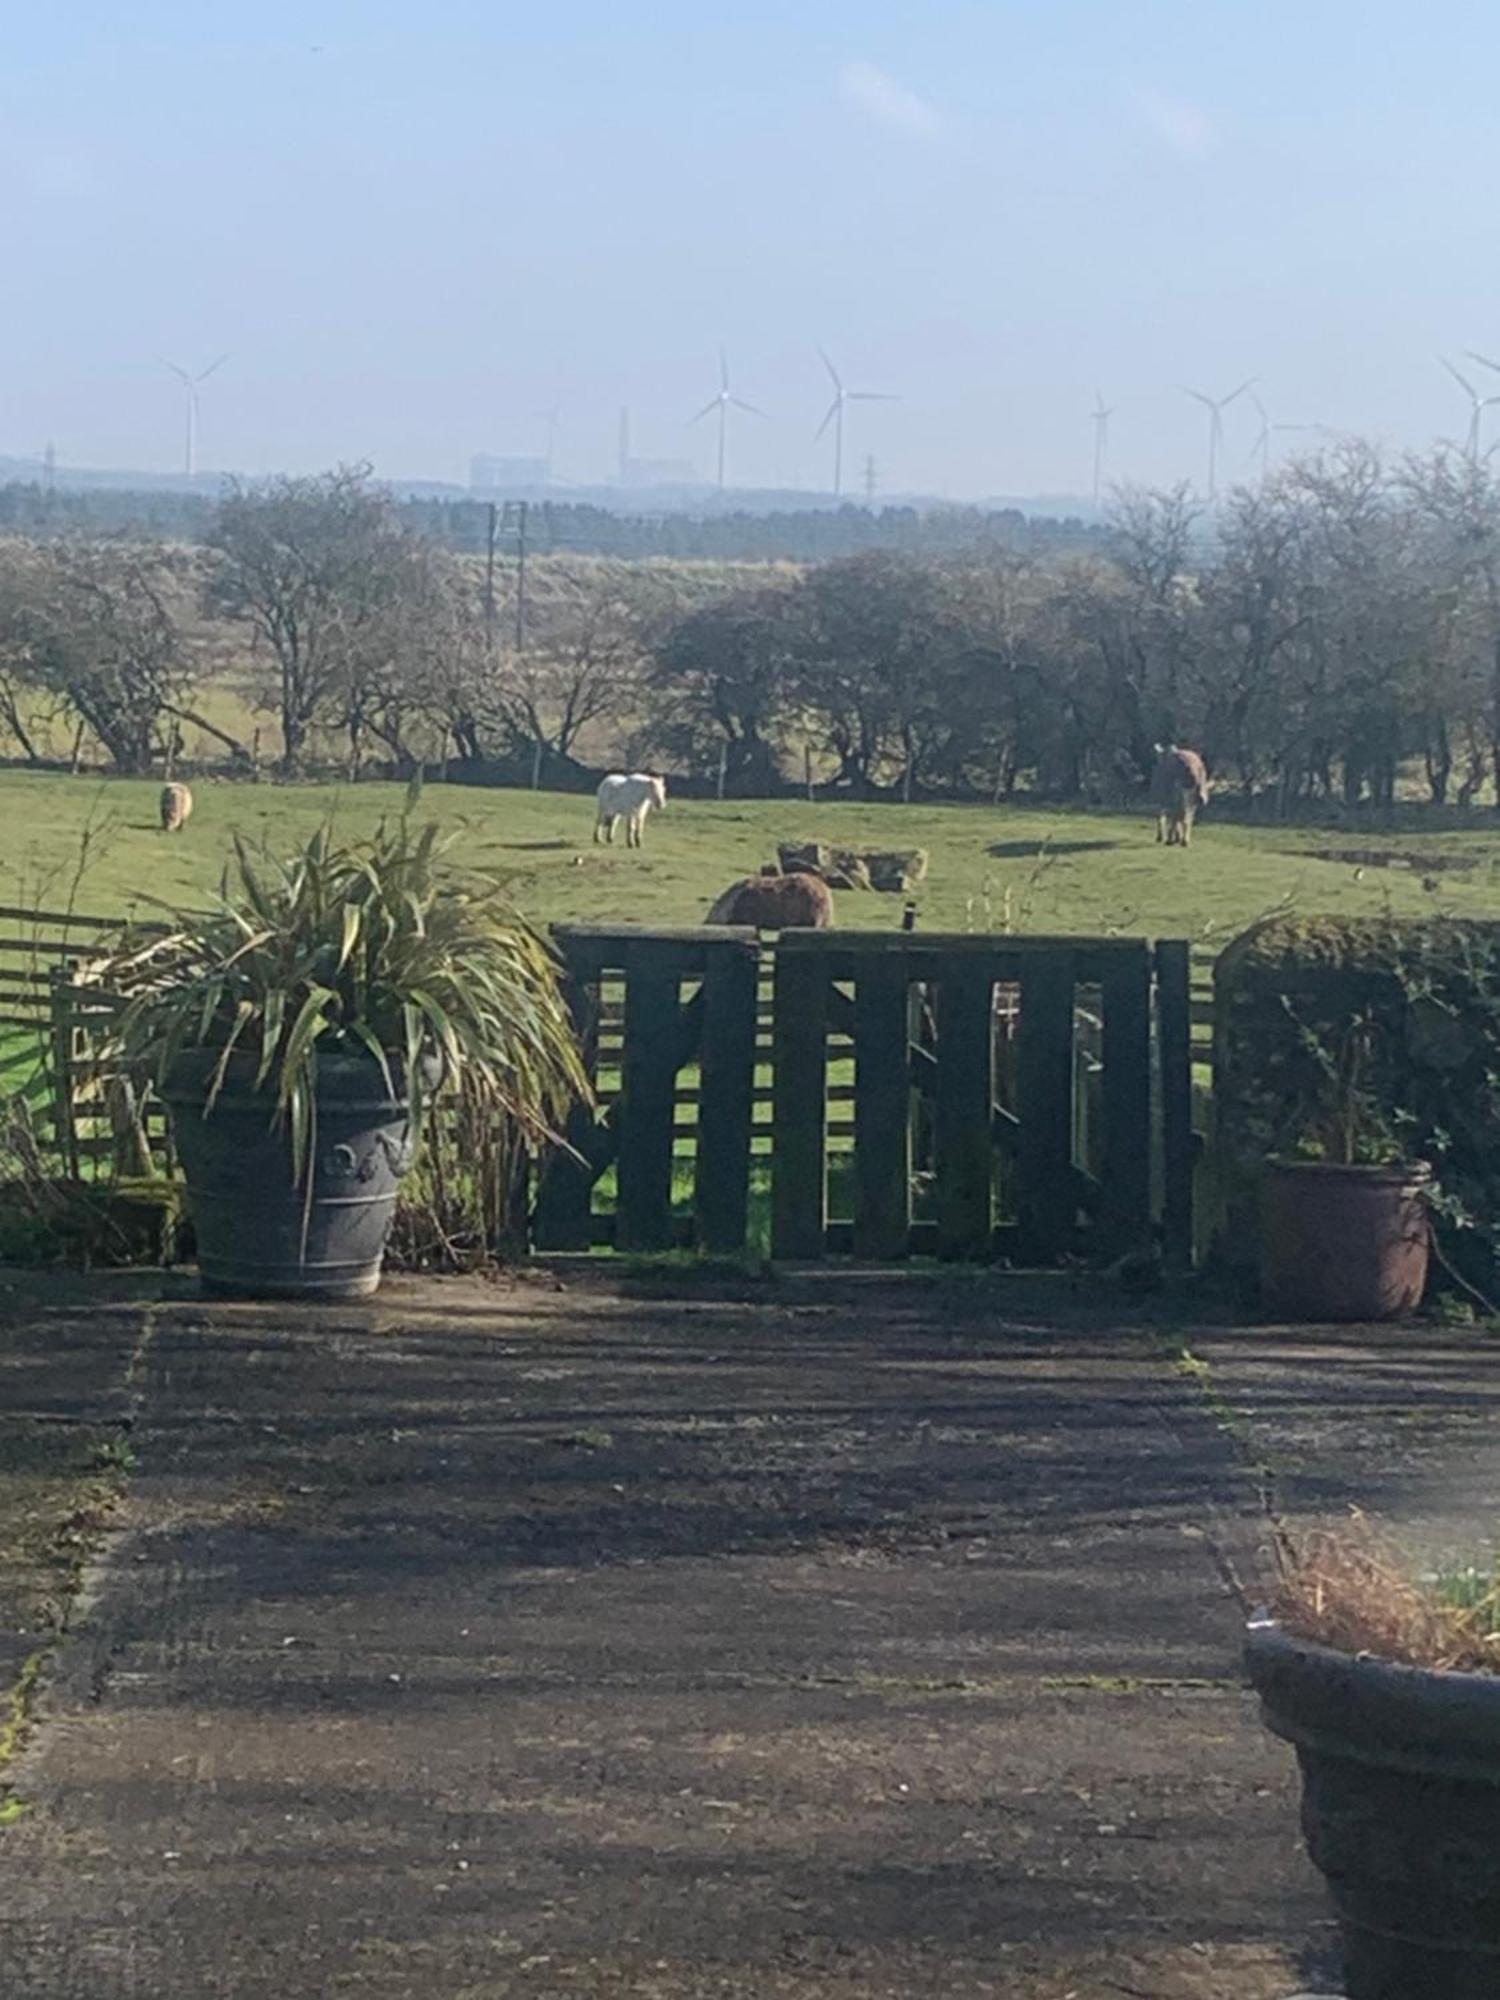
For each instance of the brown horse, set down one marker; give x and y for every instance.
(1179, 789)
(776, 903)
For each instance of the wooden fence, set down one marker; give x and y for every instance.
(890, 1092)
(47, 1015)
(878, 1092)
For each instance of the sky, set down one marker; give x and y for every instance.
(412, 229)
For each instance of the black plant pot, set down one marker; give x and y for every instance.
(1400, 1811)
(259, 1236)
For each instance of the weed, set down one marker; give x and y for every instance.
(113, 1455)
(1355, 1589)
(587, 1440)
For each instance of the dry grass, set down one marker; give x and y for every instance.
(1355, 1589)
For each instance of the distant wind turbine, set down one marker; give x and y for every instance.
(1216, 406)
(1477, 406)
(835, 416)
(723, 403)
(1268, 430)
(552, 419)
(1101, 417)
(1484, 362)
(190, 384)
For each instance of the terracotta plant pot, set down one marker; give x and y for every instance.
(1344, 1242)
(1400, 1810)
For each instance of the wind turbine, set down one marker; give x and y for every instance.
(1477, 406)
(190, 384)
(1101, 417)
(835, 416)
(552, 419)
(1484, 362)
(723, 402)
(1268, 430)
(1216, 406)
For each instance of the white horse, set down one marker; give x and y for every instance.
(628, 798)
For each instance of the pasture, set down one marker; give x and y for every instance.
(96, 843)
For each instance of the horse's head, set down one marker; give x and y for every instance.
(659, 792)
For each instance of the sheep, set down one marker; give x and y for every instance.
(176, 805)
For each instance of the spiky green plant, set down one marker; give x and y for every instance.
(376, 945)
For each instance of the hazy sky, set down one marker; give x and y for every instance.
(416, 226)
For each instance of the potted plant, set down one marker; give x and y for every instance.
(1388, 1687)
(305, 1030)
(1345, 1228)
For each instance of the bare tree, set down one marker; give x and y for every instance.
(587, 647)
(309, 565)
(719, 687)
(93, 626)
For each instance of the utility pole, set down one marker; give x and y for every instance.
(489, 582)
(514, 522)
(870, 480)
(520, 578)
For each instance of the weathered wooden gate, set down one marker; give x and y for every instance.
(969, 1096)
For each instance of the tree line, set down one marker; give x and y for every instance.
(805, 534)
(1322, 634)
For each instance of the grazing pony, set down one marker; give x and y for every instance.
(1179, 789)
(176, 804)
(629, 799)
(776, 903)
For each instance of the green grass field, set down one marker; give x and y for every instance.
(96, 842)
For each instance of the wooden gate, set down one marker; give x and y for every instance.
(880, 1092)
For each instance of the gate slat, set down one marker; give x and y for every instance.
(562, 1219)
(1175, 1051)
(1045, 1199)
(882, 1111)
(647, 1102)
(799, 1187)
(963, 1119)
(1125, 1169)
(726, 1096)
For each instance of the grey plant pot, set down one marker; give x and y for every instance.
(1400, 1810)
(258, 1234)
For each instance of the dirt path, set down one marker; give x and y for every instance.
(827, 1638)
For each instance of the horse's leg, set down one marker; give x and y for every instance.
(1161, 828)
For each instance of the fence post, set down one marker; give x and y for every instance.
(1174, 1016)
(799, 1044)
(1125, 1169)
(721, 1192)
(882, 1108)
(61, 1037)
(562, 1217)
(965, 1108)
(648, 1101)
(1045, 1197)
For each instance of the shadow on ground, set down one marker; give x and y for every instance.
(1037, 850)
(813, 1639)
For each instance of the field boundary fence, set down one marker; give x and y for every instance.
(48, 1013)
